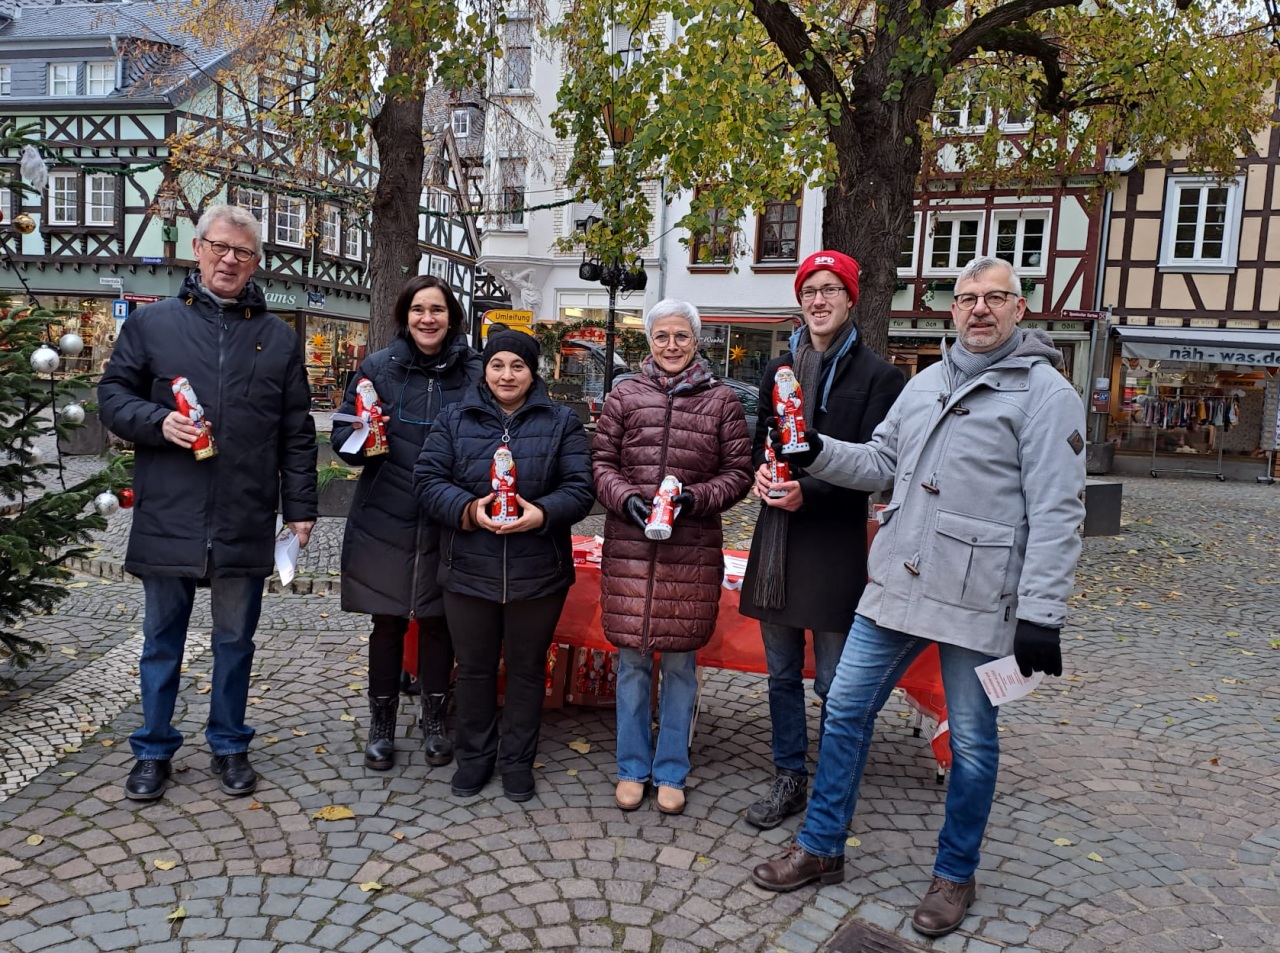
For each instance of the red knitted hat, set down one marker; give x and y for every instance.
(839, 264)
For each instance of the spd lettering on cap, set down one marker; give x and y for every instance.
(824, 260)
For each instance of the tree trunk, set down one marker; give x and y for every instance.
(868, 214)
(393, 251)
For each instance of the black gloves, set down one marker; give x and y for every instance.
(797, 458)
(683, 498)
(1037, 649)
(638, 508)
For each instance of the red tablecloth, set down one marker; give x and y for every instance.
(736, 642)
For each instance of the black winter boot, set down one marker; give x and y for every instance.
(788, 795)
(380, 750)
(435, 738)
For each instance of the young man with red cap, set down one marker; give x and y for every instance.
(808, 563)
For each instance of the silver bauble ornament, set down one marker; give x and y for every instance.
(44, 360)
(71, 344)
(73, 414)
(106, 503)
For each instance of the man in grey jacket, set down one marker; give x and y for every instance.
(976, 553)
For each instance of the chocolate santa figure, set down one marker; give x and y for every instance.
(779, 470)
(664, 510)
(369, 407)
(788, 404)
(184, 396)
(502, 478)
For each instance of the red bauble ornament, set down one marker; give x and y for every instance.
(125, 497)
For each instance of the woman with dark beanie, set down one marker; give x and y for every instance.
(391, 549)
(506, 473)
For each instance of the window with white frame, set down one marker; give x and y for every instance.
(907, 254)
(1201, 228)
(291, 216)
(255, 203)
(1022, 239)
(100, 199)
(353, 241)
(627, 49)
(439, 267)
(511, 200)
(6, 202)
(100, 79)
(962, 111)
(64, 198)
(518, 54)
(6, 80)
(461, 124)
(330, 230)
(953, 242)
(62, 79)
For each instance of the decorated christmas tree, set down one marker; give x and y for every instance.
(43, 522)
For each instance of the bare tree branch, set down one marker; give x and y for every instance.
(976, 34)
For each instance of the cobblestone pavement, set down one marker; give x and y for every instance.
(1137, 804)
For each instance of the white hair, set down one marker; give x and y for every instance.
(981, 264)
(237, 217)
(673, 308)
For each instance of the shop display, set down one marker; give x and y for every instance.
(593, 678)
(320, 373)
(334, 349)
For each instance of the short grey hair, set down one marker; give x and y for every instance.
(236, 217)
(979, 265)
(669, 308)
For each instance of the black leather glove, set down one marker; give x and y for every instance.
(796, 458)
(638, 508)
(683, 498)
(1037, 648)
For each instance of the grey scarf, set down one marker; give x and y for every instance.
(965, 364)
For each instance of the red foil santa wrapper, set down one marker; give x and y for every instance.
(788, 404)
(664, 510)
(369, 407)
(185, 397)
(779, 470)
(502, 478)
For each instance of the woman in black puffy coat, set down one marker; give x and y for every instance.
(391, 549)
(505, 580)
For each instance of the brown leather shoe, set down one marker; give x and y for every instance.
(629, 794)
(670, 800)
(944, 906)
(797, 867)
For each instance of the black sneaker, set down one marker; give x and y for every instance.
(235, 774)
(147, 779)
(787, 795)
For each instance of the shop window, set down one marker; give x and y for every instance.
(907, 254)
(778, 231)
(1201, 228)
(100, 79)
(330, 230)
(291, 216)
(953, 242)
(1022, 239)
(715, 245)
(63, 79)
(335, 348)
(518, 54)
(64, 198)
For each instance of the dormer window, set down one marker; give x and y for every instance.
(63, 78)
(461, 124)
(100, 79)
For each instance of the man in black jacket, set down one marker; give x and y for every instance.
(209, 520)
(808, 561)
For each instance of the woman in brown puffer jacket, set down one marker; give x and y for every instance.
(674, 419)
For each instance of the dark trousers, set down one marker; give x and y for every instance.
(386, 654)
(519, 633)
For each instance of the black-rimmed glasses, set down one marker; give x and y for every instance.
(220, 250)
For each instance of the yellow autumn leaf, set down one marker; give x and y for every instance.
(1244, 652)
(269, 740)
(107, 743)
(356, 687)
(702, 860)
(370, 885)
(324, 615)
(165, 864)
(77, 585)
(298, 732)
(70, 749)
(35, 840)
(581, 746)
(67, 651)
(539, 764)
(398, 836)
(1062, 842)
(67, 774)
(204, 689)
(1094, 856)
(853, 842)
(1228, 681)
(572, 772)
(255, 806)
(5, 901)
(322, 750)
(178, 914)
(334, 812)
(346, 717)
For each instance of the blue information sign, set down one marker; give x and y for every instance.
(119, 309)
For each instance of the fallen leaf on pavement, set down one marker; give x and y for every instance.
(204, 689)
(1094, 856)
(70, 749)
(322, 750)
(5, 901)
(539, 764)
(35, 840)
(581, 746)
(166, 864)
(77, 585)
(67, 774)
(572, 772)
(370, 885)
(255, 806)
(298, 732)
(107, 743)
(1062, 842)
(398, 836)
(853, 842)
(178, 914)
(67, 651)
(346, 717)
(334, 812)
(269, 740)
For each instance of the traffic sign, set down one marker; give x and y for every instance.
(1066, 315)
(514, 319)
(119, 309)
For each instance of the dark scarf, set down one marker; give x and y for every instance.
(814, 369)
(696, 376)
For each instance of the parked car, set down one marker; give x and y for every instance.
(749, 394)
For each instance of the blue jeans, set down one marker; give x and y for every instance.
(638, 760)
(874, 660)
(784, 654)
(236, 603)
